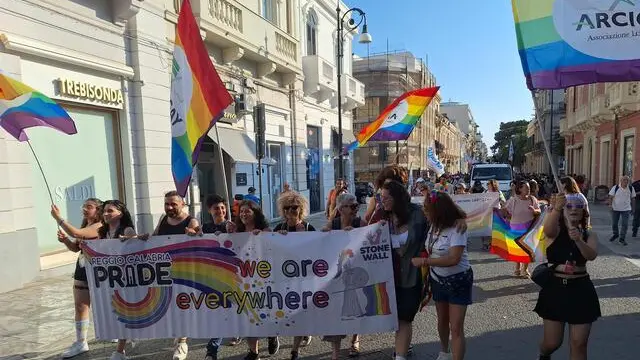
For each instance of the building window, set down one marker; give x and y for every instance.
(270, 10)
(627, 156)
(312, 33)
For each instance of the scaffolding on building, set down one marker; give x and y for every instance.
(386, 76)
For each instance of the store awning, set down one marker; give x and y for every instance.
(239, 146)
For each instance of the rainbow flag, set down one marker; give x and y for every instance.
(397, 121)
(22, 107)
(377, 300)
(523, 243)
(198, 97)
(564, 43)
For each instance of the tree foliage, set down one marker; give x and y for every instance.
(513, 130)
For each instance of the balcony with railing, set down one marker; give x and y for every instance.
(624, 97)
(600, 112)
(582, 116)
(319, 77)
(352, 92)
(239, 29)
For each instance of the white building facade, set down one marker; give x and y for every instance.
(109, 64)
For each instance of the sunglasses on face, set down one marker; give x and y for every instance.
(292, 207)
(352, 206)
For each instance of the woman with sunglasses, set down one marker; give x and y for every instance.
(251, 219)
(569, 297)
(347, 206)
(91, 223)
(293, 208)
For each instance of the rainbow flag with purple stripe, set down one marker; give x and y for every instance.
(565, 43)
(198, 97)
(398, 120)
(523, 243)
(22, 107)
(377, 300)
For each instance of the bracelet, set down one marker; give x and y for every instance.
(61, 222)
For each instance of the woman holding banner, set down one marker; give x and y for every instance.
(118, 224)
(293, 208)
(450, 273)
(347, 206)
(251, 219)
(91, 223)
(568, 297)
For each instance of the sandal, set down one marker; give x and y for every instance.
(526, 274)
(517, 273)
(354, 351)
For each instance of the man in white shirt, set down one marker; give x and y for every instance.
(620, 201)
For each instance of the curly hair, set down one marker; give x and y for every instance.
(393, 173)
(259, 220)
(293, 198)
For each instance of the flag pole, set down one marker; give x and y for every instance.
(554, 169)
(224, 172)
(46, 183)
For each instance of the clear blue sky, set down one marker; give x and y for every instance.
(471, 48)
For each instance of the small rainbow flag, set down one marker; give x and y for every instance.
(397, 121)
(377, 300)
(22, 107)
(564, 43)
(198, 97)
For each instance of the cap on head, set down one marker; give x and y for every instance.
(252, 190)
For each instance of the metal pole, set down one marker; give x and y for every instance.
(226, 194)
(260, 179)
(615, 148)
(554, 171)
(397, 152)
(551, 133)
(339, 68)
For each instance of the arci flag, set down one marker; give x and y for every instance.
(511, 151)
(397, 121)
(564, 43)
(198, 97)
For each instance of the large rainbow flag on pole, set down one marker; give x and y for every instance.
(22, 107)
(398, 120)
(523, 243)
(564, 43)
(198, 97)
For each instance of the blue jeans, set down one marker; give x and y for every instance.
(616, 216)
(636, 217)
(213, 345)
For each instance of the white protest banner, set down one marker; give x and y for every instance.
(433, 162)
(245, 285)
(479, 210)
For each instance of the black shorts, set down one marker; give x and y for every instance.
(80, 273)
(408, 302)
(573, 301)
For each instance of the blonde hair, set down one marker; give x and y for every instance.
(295, 198)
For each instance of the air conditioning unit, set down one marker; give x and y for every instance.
(244, 104)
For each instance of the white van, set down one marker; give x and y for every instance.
(501, 172)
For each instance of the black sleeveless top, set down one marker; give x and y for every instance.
(564, 249)
(336, 224)
(167, 229)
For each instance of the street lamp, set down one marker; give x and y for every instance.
(365, 38)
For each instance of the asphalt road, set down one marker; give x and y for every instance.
(500, 325)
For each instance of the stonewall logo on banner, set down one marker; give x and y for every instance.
(243, 285)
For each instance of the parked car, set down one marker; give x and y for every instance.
(363, 190)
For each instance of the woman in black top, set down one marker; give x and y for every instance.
(347, 208)
(570, 296)
(293, 208)
(91, 222)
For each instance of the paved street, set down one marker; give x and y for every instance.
(36, 322)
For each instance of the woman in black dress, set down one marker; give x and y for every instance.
(569, 297)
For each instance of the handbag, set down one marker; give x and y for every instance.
(543, 273)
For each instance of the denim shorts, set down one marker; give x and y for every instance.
(461, 295)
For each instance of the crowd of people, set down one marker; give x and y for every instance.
(430, 256)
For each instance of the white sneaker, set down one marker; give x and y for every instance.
(180, 351)
(118, 356)
(444, 356)
(76, 349)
